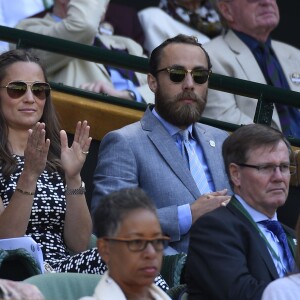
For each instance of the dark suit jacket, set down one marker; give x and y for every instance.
(227, 258)
(144, 155)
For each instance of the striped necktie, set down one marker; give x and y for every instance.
(195, 166)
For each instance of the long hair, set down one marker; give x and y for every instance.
(49, 117)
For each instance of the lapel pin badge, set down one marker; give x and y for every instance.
(212, 143)
(295, 78)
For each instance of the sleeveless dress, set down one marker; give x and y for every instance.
(46, 224)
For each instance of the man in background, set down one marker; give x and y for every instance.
(78, 21)
(246, 51)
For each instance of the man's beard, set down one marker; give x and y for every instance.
(179, 113)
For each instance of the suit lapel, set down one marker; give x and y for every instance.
(212, 151)
(290, 65)
(263, 250)
(245, 58)
(166, 146)
(291, 237)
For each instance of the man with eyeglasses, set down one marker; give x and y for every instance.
(185, 177)
(246, 51)
(235, 251)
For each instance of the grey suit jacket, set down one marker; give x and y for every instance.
(144, 155)
(231, 57)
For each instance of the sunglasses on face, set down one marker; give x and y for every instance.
(17, 89)
(177, 75)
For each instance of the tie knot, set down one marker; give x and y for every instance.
(273, 226)
(264, 48)
(184, 135)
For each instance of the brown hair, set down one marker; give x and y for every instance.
(179, 39)
(49, 117)
(236, 147)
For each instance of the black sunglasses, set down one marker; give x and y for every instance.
(16, 89)
(177, 75)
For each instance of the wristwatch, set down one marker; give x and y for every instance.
(131, 94)
(80, 191)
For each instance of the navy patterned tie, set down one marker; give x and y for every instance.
(274, 79)
(277, 229)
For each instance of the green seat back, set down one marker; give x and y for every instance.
(65, 286)
(172, 269)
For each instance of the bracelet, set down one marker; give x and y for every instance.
(80, 191)
(24, 192)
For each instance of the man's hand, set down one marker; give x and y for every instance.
(208, 202)
(102, 87)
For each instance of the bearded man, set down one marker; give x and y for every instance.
(176, 160)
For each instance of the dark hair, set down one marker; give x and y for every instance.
(179, 39)
(114, 207)
(49, 117)
(237, 146)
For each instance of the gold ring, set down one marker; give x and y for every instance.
(85, 152)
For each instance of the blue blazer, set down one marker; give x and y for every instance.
(143, 154)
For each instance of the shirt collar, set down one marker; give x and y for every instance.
(172, 129)
(56, 18)
(251, 42)
(256, 215)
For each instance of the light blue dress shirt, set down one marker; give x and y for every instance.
(120, 83)
(184, 211)
(281, 265)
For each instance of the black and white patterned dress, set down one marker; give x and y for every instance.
(46, 224)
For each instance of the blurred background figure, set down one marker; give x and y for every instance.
(11, 12)
(123, 20)
(78, 21)
(248, 51)
(190, 17)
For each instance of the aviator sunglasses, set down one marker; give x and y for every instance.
(16, 89)
(177, 74)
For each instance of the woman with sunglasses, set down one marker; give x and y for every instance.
(131, 242)
(42, 195)
(41, 191)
